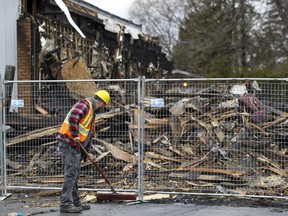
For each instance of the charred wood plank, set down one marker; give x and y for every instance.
(33, 135)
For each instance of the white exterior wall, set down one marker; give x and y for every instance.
(9, 12)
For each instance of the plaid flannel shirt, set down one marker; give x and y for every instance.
(80, 110)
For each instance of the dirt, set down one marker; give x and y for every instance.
(226, 201)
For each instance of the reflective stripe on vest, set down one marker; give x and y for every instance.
(84, 124)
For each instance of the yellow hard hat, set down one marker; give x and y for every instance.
(103, 95)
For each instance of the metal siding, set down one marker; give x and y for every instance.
(8, 43)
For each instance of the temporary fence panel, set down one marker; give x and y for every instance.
(194, 136)
(215, 136)
(37, 111)
(2, 144)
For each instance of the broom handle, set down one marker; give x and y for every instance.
(97, 167)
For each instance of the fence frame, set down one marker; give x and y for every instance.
(145, 191)
(3, 171)
(141, 93)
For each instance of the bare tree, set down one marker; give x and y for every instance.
(160, 18)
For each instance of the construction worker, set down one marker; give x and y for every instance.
(78, 127)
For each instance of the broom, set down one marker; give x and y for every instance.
(111, 196)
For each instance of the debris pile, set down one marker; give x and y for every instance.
(208, 141)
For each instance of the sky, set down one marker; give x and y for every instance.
(117, 7)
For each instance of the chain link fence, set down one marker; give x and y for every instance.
(36, 113)
(216, 136)
(193, 136)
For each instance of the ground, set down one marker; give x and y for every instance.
(29, 203)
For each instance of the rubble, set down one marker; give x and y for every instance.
(201, 142)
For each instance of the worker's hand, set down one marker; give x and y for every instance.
(77, 141)
(90, 156)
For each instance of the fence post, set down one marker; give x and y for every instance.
(140, 138)
(2, 143)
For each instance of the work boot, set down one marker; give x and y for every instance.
(83, 206)
(70, 209)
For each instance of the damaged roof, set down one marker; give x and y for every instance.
(110, 21)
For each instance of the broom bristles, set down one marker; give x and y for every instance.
(111, 196)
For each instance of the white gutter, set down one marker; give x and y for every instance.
(64, 8)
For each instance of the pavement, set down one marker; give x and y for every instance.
(183, 206)
(151, 209)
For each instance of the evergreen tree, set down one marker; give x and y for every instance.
(273, 38)
(214, 39)
(220, 38)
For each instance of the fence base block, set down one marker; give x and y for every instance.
(3, 197)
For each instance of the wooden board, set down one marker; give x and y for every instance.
(76, 69)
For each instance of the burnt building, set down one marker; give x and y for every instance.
(113, 47)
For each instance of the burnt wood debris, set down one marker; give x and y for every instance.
(207, 139)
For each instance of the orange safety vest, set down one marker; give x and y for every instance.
(85, 124)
